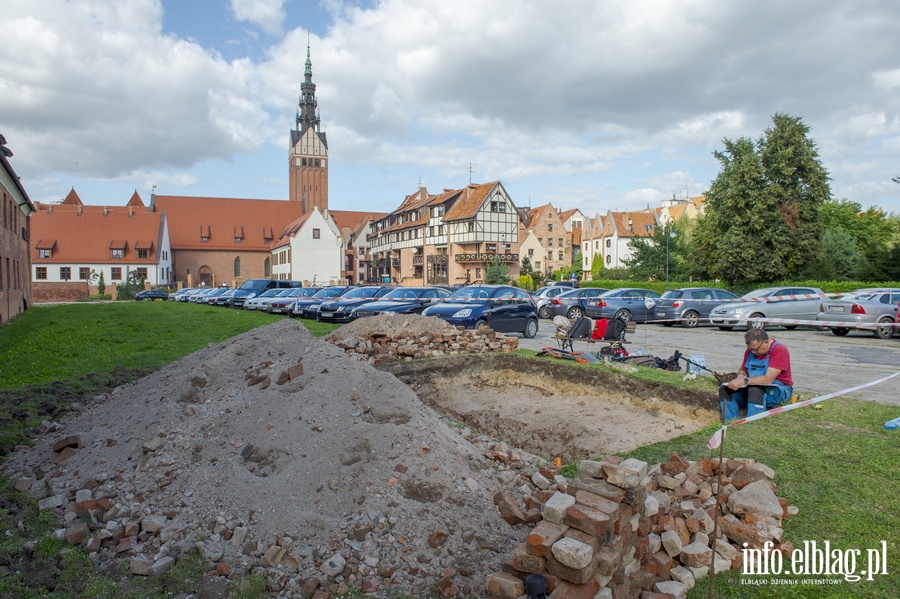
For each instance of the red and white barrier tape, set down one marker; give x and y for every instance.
(717, 438)
(790, 322)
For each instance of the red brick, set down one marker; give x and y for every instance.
(675, 465)
(590, 540)
(543, 536)
(567, 590)
(64, 455)
(570, 574)
(664, 563)
(597, 502)
(588, 519)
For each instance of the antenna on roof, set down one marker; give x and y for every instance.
(471, 170)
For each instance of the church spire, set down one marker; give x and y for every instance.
(307, 116)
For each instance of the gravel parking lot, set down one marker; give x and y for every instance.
(822, 362)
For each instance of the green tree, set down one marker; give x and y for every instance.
(596, 266)
(101, 284)
(838, 258)
(496, 272)
(762, 218)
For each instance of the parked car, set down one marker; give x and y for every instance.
(543, 296)
(627, 303)
(570, 283)
(196, 298)
(403, 300)
(504, 308)
(282, 303)
(151, 294)
(253, 287)
(341, 309)
(185, 294)
(572, 303)
(306, 307)
(690, 305)
(863, 306)
(800, 303)
(260, 301)
(211, 297)
(225, 297)
(176, 294)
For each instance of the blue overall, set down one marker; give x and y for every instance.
(762, 397)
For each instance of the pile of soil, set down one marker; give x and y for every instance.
(277, 439)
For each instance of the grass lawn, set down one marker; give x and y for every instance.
(837, 464)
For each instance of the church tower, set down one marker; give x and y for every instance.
(309, 150)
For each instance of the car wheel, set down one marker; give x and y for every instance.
(481, 324)
(840, 332)
(623, 315)
(668, 324)
(531, 328)
(544, 312)
(690, 319)
(726, 328)
(884, 332)
(757, 325)
(574, 313)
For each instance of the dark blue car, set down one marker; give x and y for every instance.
(306, 307)
(341, 309)
(403, 300)
(629, 303)
(504, 308)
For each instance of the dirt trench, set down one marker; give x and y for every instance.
(553, 409)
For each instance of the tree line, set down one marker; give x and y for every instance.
(770, 216)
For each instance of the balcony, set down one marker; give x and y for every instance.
(418, 260)
(486, 257)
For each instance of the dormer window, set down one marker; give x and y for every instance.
(117, 254)
(204, 233)
(45, 253)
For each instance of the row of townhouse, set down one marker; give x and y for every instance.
(609, 236)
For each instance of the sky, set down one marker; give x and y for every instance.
(588, 104)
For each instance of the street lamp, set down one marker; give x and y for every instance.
(668, 235)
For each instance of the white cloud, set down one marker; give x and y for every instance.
(268, 15)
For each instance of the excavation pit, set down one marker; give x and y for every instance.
(554, 409)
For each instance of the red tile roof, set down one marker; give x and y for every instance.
(470, 201)
(191, 218)
(76, 234)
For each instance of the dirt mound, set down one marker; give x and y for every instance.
(276, 453)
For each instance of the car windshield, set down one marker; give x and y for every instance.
(673, 294)
(861, 297)
(759, 293)
(307, 291)
(361, 292)
(405, 293)
(471, 294)
(254, 284)
(329, 292)
(271, 293)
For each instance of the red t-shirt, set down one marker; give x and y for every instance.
(779, 358)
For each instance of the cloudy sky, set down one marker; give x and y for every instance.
(597, 105)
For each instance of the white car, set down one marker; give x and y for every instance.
(795, 303)
(261, 301)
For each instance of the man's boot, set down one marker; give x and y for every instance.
(730, 410)
(755, 408)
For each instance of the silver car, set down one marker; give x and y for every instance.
(543, 296)
(863, 306)
(690, 305)
(794, 303)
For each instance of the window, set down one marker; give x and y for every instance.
(44, 253)
(560, 255)
(204, 239)
(267, 268)
(143, 254)
(142, 272)
(84, 273)
(317, 234)
(608, 259)
(491, 248)
(115, 273)
(478, 273)
(317, 162)
(531, 251)
(237, 266)
(40, 273)
(117, 254)
(541, 240)
(65, 273)
(609, 243)
(560, 242)
(498, 206)
(550, 227)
